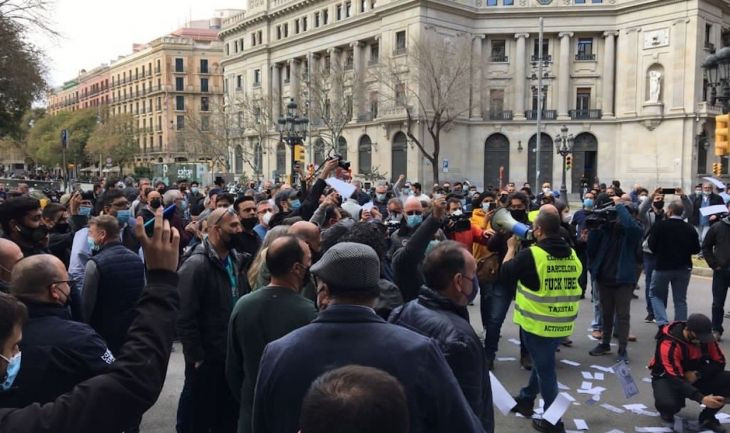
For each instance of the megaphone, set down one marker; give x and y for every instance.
(502, 220)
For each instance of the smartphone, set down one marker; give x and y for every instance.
(492, 206)
(666, 191)
(149, 226)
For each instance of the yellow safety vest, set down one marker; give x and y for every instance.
(552, 310)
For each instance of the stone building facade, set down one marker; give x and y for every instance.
(623, 75)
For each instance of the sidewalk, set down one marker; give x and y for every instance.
(699, 267)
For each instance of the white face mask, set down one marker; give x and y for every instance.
(642, 198)
(267, 218)
(546, 190)
(566, 218)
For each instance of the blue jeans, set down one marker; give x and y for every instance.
(596, 299)
(659, 293)
(720, 283)
(495, 303)
(649, 265)
(543, 378)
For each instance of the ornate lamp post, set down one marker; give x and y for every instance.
(717, 73)
(564, 147)
(292, 128)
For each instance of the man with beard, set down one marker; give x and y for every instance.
(267, 315)
(309, 233)
(63, 223)
(247, 241)
(22, 223)
(211, 280)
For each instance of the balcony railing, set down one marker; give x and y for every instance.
(546, 114)
(545, 58)
(709, 46)
(499, 59)
(365, 117)
(400, 51)
(500, 115)
(204, 71)
(585, 57)
(585, 114)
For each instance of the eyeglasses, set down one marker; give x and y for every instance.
(263, 211)
(121, 205)
(69, 282)
(229, 211)
(414, 212)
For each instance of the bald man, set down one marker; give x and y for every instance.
(10, 254)
(58, 353)
(211, 281)
(309, 233)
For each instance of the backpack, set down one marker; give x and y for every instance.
(488, 268)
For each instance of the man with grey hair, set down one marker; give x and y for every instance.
(58, 353)
(708, 198)
(673, 242)
(349, 332)
(10, 254)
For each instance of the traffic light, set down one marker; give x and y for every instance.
(716, 168)
(299, 153)
(722, 125)
(569, 162)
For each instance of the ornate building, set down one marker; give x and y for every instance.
(623, 75)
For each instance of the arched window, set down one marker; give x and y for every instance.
(364, 154)
(319, 152)
(585, 161)
(342, 147)
(496, 161)
(399, 156)
(546, 160)
(280, 159)
(238, 167)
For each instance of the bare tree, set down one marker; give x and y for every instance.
(209, 133)
(29, 14)
(258, 122)
(432, 86)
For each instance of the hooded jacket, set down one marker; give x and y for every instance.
(716, 246)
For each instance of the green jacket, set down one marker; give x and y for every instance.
(258, 319)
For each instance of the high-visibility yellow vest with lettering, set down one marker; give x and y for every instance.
(552, 310)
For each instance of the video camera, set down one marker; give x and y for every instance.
(345, 165)
(461, 222)
(597, 218)
(392, 226)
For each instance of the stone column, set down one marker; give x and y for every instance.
(564, 78)
(609, 60)
(275, 91)
(520, 76)
(476, 78)
(294, 79)
(358, 60)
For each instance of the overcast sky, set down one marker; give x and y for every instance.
(95, 32)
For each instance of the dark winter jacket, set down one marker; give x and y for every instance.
(673, 242)
(107, 402)
(58, 354)
(625, 235)
(407, 273)
(714, 199)
(716, 246)
(438, 318)
(206, 301)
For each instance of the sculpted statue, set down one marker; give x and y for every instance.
(655, 86)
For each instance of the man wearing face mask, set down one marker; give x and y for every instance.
(689, 364)
(211, 281)
(10, 254)
(708, 198)
(381, 196)
(113, 282)
(651, 211)
(22, 223)
(440, 313)
(247, 241)
(264, 212)
(58, 352)
(195, 198)
(546, 306)
(266, 315)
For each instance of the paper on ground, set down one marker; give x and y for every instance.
(598, 376)
(563, 387)
(646, 379)
(502, 399)
(569, 362)
(635, 407)
(557, 409)
(343, 188)
(514, 341)
(615, 431)
(568, 396)
(506, 358)
(612, 408)
(653, 430)
(592, 391)
(586, 375)
(580, 424)
(602, 368)
(586, 385)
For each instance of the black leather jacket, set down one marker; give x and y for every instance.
(437, 317)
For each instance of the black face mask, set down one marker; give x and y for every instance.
(155, 203)
(503, 199)
(249, 223)
(61, 228)
(519, 215)
(659, 204)
(33, 235)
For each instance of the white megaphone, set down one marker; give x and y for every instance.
(502, 220)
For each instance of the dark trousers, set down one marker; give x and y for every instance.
(669, 399)
(616, 301)
(649, 265)
(206, 404)
(720, 283)
(495, 302)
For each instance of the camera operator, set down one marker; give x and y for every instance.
(288, 204)
(459, 228)
(612, 248)
(411, 242)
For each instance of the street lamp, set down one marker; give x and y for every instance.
(564, 147)
(717, 73)
(292, 130)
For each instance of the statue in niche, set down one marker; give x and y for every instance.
(655, 86)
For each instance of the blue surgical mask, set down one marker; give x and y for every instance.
(414, 221)
(474, 289)
(123, 217)
(93, 246)
(85, 211)
(380, 197)
(295, 204)
(588, 203)
(406, 191)
(431, 245)
(12, 371)
(194, 190)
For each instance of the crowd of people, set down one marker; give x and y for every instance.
(344, 303)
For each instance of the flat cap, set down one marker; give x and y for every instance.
(349, 266)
